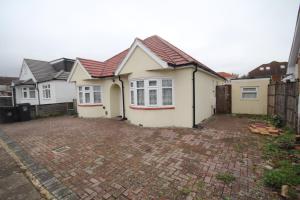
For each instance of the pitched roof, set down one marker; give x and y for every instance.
(45, 71)
(227, 75)
(273, 68)
(163, 49)
(4, 80)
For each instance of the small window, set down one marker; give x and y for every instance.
(46, 91)
(28, 93)
(90, 94)
(152, 83)
(282, 66)
(80, 95)
(25, 93)
(268, 68)
(97, 94)
(167, 92)
(261, 68)
(140, 84)
(249, 92)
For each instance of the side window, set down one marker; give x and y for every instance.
(249, 92)
(167, 91)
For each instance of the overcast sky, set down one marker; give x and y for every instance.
(232, 35)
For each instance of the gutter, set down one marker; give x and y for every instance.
(194, 98)
(123, 99)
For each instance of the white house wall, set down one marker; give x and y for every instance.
(205, 101)
(64, 91)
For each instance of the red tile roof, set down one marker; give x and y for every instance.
(163, 49)
(227, 75)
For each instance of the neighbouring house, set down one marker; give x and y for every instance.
(6, 90)
(228, 76)
(274, 70)
(250, 96)
(44, 85)
(153, 84)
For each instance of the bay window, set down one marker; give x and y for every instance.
(151, 92)
(90, 94)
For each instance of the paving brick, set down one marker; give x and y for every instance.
(109, 159)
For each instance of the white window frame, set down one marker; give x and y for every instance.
(27, 90)
(245, 98)
(147, 88)
(46, 91)
(91, 92)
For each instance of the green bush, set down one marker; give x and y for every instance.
(286, 141)
(274, 152)
(285, 174)
(276, 121)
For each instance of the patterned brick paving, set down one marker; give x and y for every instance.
(109, 159)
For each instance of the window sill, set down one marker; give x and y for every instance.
(152, 108)
(90, 105)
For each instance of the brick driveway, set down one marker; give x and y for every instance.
(110, 159)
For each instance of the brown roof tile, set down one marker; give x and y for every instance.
(163, 49)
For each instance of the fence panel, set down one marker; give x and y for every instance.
(283, 101)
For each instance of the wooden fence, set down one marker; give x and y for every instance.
(283, 101)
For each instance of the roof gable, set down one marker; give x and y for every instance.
(139, 44)
(45, 71)
(78, 72)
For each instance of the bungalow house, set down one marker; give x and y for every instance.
(44, 84)
(151, 84)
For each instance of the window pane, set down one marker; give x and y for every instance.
(140, 97)
(25, 94)
(167, 96)
(167, 83)
(87, 88)
(80, 97)
(97, 88)
(87, 98)
(249, 95)
(32, 94)
(152, 97)
(132, 97)
(152, 83)
(97, 97)
(140, 84)
(131, 84)
(249, 89)
(48, 93)
(80, 88)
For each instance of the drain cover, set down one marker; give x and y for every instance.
(60, 149)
